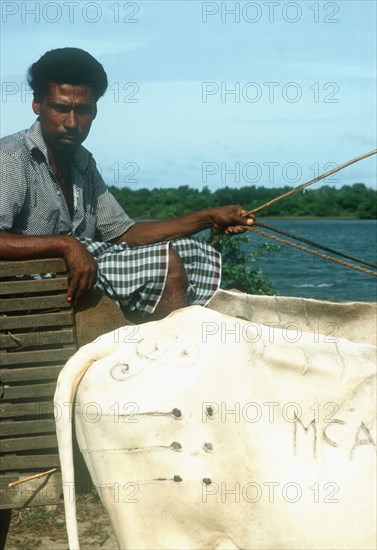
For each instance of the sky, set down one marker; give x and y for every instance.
(268, 93)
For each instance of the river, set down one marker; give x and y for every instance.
(297, 273)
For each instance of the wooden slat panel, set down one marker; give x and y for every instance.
(11, 393)
(36, 492)
(36, 357)
(29, 267)
(32, 410)
(35, 303)
(28, 443)
(31, 373)
(36, 432)
(36, 285)
(39, 320)
(63, 336)
(32, 461)
(24, 427)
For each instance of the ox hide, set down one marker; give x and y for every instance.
(356, 321)
(206, 431)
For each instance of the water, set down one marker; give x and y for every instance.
(297, 273)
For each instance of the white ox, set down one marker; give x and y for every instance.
(207, 431)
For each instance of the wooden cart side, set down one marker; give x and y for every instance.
(37, 336)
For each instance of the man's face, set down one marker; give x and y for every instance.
(66, 114)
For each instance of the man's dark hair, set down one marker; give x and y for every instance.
(66, 66)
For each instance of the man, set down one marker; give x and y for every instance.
(54, 203)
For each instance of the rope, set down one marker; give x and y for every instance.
(306, 241)
(310, 251)
(320, 246)
(303, 185)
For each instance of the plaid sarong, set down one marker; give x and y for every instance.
(135, 276)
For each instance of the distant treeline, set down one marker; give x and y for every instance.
(350, 201)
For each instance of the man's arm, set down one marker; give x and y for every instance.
(224, 218)
(80, 264)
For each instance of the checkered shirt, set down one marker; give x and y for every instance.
(32, 204)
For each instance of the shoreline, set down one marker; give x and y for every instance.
(319, 218)
(305, 218)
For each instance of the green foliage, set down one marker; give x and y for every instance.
(236, 270)
(350, 201)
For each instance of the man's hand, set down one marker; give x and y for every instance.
(228, 219)
(79, 262)
(82, 268)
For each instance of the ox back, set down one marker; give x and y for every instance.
(207, 430)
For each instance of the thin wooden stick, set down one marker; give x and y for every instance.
(36, 476)
(303, 185)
